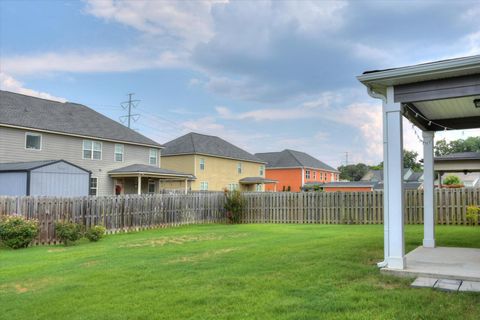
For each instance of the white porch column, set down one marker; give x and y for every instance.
(428, 191)
(139, 187)
(186, 186)
(393, 183)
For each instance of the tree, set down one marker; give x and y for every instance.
(409, 161)
(353, 172)
(471, 144)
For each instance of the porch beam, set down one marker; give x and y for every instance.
(393, 171)
(429, 189)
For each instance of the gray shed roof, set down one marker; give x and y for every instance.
(460, 156)
(256, 180)
(196, 143)
(293, 159)
(31, 165)
(143, 168)
(68, 118)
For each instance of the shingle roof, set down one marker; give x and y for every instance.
(195, 143)
(293, 159)
(30, 165)
(460, 156)
(349, 184)
(70, 118)
(248, 180)
(138, 168)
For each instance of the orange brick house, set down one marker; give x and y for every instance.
(293, 169)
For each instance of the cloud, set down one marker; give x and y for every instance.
(8, 83)
(82, 62)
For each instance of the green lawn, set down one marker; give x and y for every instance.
(226, 272)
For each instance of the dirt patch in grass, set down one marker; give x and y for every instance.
(178, 240)
(90, 263)
(56, 250)
(203, 256)
(28, 285)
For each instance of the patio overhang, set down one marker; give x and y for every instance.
(441, 95)
(256, 180)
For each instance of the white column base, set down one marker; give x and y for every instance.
(429, 243)
(397, 263)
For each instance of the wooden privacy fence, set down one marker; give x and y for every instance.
(122, 213)
(161, 210)
(353, 207)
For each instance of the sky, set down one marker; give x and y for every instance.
(264, 75)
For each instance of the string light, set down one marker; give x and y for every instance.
(430, 122)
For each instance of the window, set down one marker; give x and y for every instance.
(239, 168)
(314, 175)
(202, 164)
(93, 186)
(262, 171)
(259, 188)
(33, 141)
(119, 152)
(153, 157)
(151, 186)
(92, 150)
(233, 186)
(204, 186)
(307, 174)
(321, 175)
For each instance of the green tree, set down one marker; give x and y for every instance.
(409, 161)
(353, 172)
(471, 144)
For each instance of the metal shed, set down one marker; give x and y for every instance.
(43, 178)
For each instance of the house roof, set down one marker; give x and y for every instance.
(293, 159)
(143, 168)
(196, 143)
(20, 110)
(459, 156)
(31, 165)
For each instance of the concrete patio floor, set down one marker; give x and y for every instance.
(441, 262)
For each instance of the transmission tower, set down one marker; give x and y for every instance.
(129, 105)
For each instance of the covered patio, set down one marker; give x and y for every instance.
(254, 183)
(437, 96)
(140, 178)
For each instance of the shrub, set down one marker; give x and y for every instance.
(234, 203)
(95, 233)
(472, 215)
(451, 180)
(17, 232)
(68, 232)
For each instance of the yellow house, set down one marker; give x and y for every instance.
(216, 163)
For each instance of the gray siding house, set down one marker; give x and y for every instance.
(34, 129)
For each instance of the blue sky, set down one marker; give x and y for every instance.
(264, 75)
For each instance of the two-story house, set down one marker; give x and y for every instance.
(216, 163)
(295, 169)
(119, 160)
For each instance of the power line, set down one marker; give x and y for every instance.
(128, 105)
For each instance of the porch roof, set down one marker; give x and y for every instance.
(436, 96)
(257, 180)
(135, 170)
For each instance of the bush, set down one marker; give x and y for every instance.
(95, 233)
(17, 232)
(234, 205)
(472, 215)
(452, 180)
(68, 232)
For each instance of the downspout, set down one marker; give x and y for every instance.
(386, 248)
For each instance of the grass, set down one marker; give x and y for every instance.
(226, 272)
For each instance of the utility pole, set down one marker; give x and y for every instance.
(128, 105)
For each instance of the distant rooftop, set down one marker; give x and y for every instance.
(293, 159)
(460, 156)
(196, 143)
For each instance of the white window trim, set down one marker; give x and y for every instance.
(150, 157)
(151, 182)
(307, 174)
(262, 170)
(90, 187)
(33, 134)
(204, 184)
(92, 158)
(115, 152)
(202, 161)
(239, 168)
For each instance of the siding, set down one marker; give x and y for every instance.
(286, 178)
(55, 146)
(59, 179)
(13, 183)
